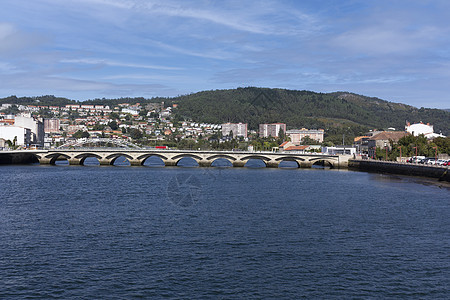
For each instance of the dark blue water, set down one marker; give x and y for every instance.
(139, 232)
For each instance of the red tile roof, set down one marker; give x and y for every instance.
(296, 148)
(389, 135)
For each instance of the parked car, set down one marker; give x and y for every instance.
(428, 161)
(440, 162)
(447, 163)
(415, 159)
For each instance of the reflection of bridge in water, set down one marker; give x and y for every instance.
(137, 157)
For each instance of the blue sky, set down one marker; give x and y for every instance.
(83, 49)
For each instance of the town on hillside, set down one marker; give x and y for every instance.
(156, 125)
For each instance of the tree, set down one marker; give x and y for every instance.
(99, 127)
(443, 144)
(113, 125)
(12, 145)
(135, 134)
(81, 134)
(186, 144)
(143, 113)
(309, 141)
(114, 116)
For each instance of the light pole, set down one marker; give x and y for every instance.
(385, 148)
(435, 155)
(416, 151)
(400, 147)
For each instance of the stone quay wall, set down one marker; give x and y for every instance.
(440, 172)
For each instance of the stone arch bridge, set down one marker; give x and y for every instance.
(137, 157)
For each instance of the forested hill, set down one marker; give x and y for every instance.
(337, 112)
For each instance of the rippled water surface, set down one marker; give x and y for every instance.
(124, 232)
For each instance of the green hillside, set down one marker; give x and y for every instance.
(338, 113)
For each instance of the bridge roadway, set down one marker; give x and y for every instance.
(137, 157)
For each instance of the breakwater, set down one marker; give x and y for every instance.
(440, 172)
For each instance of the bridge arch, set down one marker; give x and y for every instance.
(255, 163)
(288, 163)
(221, 162)
(261, 157)
(177, 158)
(145, 156)
(180, 156)
(113, 157)
(82, 157)
(56, 156)
(323, 163)
(225, 156)
(152, 160)
(187, 159)
(290, 158)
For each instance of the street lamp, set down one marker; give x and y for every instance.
(385, 147)
(435, 155)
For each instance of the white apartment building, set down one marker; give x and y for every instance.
(238, 129)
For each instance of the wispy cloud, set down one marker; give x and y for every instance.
(106, 62)
(29, 84)
(386, 39)
(13, 40)
(257, 17)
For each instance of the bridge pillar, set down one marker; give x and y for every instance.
(135, 162)
(170, 163)
(272, 164)
(204, 163)
(45, 161)
(104, 162)
(305, 164)
(74, 161)
(239, 163)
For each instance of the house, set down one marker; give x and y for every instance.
(420, 128)
(384, 139)
(286, 145)
(301, 149)
(361, 143)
